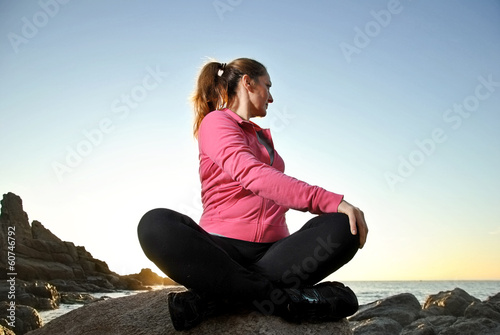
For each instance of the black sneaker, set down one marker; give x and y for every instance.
(188, 308)
(328, 301)
(185, 309)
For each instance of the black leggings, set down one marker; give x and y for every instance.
(234, 269)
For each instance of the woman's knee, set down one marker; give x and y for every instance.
(151, 220)
(157, 225)
(336, 226)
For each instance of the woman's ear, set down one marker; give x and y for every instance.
(247, 82)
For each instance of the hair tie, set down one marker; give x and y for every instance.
(221, 69)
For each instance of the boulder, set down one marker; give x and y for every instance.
(403, 308)
(377, 326)
(482, 310)
(39, 295)
(429, 326)
(453, 302)
(26, 318)
(147, 313)
(481, 326)
(495, 299)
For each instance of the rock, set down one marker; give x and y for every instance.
(39, 232)
(453, 302)
(41, 255)
(12, 215)
(38, 294)
(147, 313)
(77, 286)
(482, 310)
(26, 318)
(72, 298)
(148, 277)
(6, 331)
(494, 300)
(463, 326)
(403, 308)
(377, 326)
(429, 326)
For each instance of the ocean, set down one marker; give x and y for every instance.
(370, 291)
(366, 291)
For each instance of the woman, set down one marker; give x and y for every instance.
(241, 251)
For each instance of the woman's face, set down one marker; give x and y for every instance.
(261, 96)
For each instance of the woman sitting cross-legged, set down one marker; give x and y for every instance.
(241, 252)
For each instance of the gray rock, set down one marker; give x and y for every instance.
(494, 302)
(482, 310)
(147, 313)
(38, 294)
(479, 326)
(12, 215)
(39, 232)
(453, 302)
(403, 308)
(429, 326)
(72, 298)
(376, 326)
(26, 318)
(495, 299)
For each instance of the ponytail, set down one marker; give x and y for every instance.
(217, 84)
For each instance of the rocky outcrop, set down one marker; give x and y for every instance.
(43, 266)
(453, 303)
(402, 308)
(147, 313)
(41, 255)
(446, 313)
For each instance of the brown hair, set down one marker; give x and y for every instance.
(217, 83)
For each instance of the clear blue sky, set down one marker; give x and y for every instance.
(393, 103)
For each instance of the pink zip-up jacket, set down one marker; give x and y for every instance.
(244, 196)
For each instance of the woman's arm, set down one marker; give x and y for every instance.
(223, 141)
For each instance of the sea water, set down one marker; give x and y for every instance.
(366, 291)
(66, 308)
(370, 291)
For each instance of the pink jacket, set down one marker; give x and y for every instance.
(244, 197)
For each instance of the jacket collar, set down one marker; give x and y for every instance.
(239, 119)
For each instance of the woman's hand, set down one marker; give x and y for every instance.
(356, 221)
